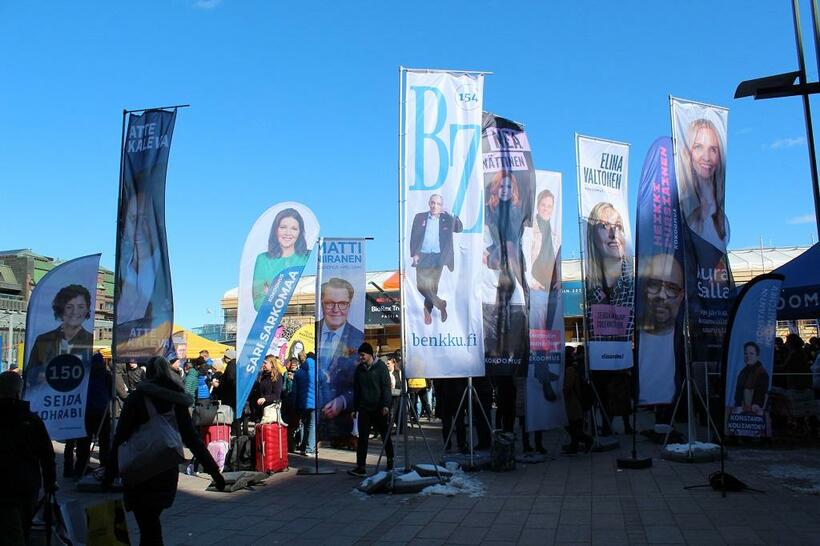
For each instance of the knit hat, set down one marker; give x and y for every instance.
(366, 348)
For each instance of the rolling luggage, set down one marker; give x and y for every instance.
(271, 448)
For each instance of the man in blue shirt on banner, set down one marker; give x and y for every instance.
(431, 249)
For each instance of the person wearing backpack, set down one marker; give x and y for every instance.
(575, 401)
(160, 394)
(26, 461)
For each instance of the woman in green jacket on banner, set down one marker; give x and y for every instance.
(286, 248)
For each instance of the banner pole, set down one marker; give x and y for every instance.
(316, 470)
(400, 216)
(117, 252)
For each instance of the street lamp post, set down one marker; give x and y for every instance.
(782, 85)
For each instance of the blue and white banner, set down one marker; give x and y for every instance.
(273, 258)
(748, 359)
(542, 259)
(144, 301)
(442, 225)
(59, 342)
(606, 238)
(659, 287)
(340, 303)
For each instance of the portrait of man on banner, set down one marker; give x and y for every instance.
(431, 250)
(339, 341)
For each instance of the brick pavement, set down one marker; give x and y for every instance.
(580, 499)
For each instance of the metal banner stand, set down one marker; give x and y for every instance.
(468, 393)
(402, 425)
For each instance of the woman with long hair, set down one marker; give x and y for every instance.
(702, 176)
(609, 270)
(504, 254)
(287, 247)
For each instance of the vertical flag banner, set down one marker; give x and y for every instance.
(509, 191)
(659, 287)
(542, 261)
(59, 342)
(273, 258)
(144, 305)
(749, 357)
(442, 225)
(340, 304)
(607, 244)
(699, 135)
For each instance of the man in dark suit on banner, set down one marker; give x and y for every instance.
(431, 249)
(337, 342)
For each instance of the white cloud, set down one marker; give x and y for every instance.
(781, 143)
(802, 219)
(206, 4)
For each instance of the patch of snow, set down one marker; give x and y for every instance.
(683, 449)
(460, 484)
(803, 479)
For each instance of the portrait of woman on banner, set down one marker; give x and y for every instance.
(287, 247)
(702, 182)
(609, 273)
(503, 254)
(72, 307)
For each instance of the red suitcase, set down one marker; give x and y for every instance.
(271, 448)
(216, 432)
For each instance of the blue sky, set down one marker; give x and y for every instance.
(298, 101)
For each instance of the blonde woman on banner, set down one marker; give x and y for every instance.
(609, 278)
(702, 179)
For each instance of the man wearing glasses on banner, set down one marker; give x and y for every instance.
(337, 342)
(662, 282)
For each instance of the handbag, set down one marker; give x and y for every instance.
(273, 414)
(106, 524)
(204, 413)
(224, 414)
(156, 446)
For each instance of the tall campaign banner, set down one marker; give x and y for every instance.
(659, 287)
(442, 224)
(509, 191)
(59, 343)
(340, 303)
(273, 258)
(144, 301)
(607, 245)
(748, 359)
(699, 135)
(542, 264)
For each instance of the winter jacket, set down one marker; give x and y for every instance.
(160, 490)
(203, 392)
(226, 391)
(371, 387)
(26, 454)
(304, 389)
(191, 382)
(99, 386)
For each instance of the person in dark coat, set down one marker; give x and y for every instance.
(225, 391)
(575, 410)
(372, 398)
(98, 399)
(304, 396)
(26, 461)
(147, 499)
